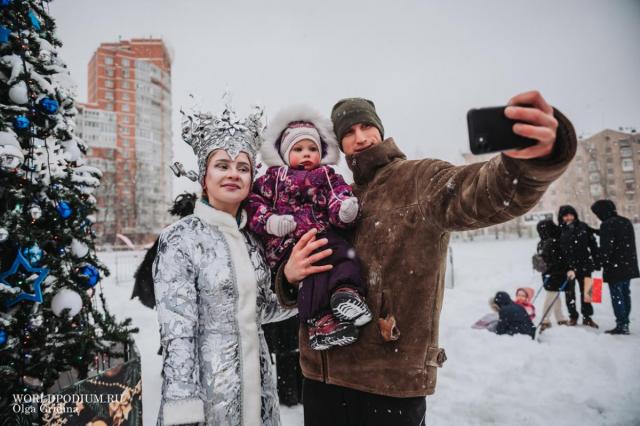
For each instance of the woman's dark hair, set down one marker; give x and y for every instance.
(183, 205)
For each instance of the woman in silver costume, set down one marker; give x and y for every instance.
(212, 288)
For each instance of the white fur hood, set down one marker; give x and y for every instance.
(269, 152)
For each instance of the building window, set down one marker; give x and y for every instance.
(125, 84)
(125, 96)
(627, 165)
(125, 107)
(608, 150)
(596, 190)
(630, 186)
(125, 62)
(125, 73)
(109, 107)
(594, 177)
(626, 152)
(109, 72)
(593, 166)
(108, 83)
(108, 96)
(125, 119)
(609, 160)
(108, 60)
(609, 171)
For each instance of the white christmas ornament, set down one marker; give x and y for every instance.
(4, 235)
(18, 93)
(79, 249)
(35, 211)
(66, 299)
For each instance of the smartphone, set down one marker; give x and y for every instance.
(491, 131)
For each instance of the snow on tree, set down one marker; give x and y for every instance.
(52, 319)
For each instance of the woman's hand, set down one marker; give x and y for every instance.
(300, 263)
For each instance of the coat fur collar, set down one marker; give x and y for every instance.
(365, 164)
(223, 220)
(269, 152)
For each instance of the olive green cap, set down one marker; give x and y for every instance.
(349, 111)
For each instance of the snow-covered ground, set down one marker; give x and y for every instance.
(573, 376)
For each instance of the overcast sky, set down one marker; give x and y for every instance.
(424, 63)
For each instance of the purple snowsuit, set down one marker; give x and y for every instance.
(313, 198)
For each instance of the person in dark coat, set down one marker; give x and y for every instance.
(143, 287)
(513, 318)
(580, 249)
(619, 260)
(553, 268)
(282, 339)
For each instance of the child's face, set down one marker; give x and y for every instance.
(521, 296)
(304, 154)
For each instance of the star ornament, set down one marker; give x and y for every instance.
(37, 284)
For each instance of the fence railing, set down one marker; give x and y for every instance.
(122, 264)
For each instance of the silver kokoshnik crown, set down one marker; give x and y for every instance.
(206, 132)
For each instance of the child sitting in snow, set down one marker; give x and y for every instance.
(524, 295)
(513, 319)
(300, 192)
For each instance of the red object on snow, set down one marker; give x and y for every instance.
(596, 290)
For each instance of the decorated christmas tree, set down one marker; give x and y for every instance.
(53, 317)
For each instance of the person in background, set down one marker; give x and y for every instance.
(580, 249)
(524, 296)
(619, 260)
(554, 268)
(513, 317)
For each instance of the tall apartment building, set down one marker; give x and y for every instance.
(98, 129)
(132, 78)
(606, 165)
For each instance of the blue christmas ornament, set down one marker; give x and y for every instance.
(3, 337)
(91, 274)
(5, 3)
(4, 34)
(21, 122)
(34, 20)
(33, 254)
(64, 209)
(48, 105)
(37, 284)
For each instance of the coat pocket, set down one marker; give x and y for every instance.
(436, 357)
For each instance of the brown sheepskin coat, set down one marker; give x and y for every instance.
(409, 209)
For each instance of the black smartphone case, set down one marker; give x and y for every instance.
(491, 131)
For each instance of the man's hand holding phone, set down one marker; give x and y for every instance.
(535, 121)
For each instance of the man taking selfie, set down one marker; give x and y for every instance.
(408, 210)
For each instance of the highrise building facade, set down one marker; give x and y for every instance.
(98, 129)
(132, 79)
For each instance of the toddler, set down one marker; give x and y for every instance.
(299, 192)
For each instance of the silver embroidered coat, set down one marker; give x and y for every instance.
(215, 361)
